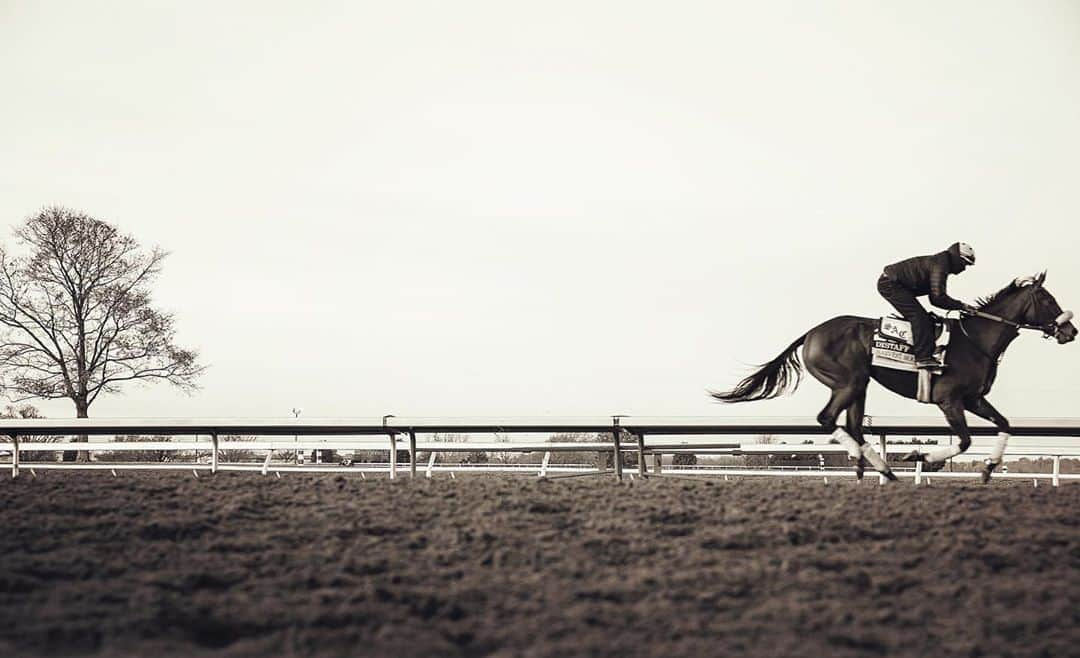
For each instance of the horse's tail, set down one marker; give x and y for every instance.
(777, 377)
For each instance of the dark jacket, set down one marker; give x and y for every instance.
(926, 275)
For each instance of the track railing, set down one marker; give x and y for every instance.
(644, 436)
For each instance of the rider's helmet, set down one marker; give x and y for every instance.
(967, 254)
(961, 255)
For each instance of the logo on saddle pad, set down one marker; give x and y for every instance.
(898, 329)
(892, 344)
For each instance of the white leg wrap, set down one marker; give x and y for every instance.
(998, 451)
(850, 444)
(942, 453)
(874, 458)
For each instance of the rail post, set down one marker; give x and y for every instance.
(615, 431)
(918, 473)
(641, 455)
(544, 464)
(393, 447)
(412, 455)
(14, 456)
(393, 456)
(884, 458)
(214, 454)
(1057, 470)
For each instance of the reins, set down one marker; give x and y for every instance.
(1047, 330)
(1015, 325)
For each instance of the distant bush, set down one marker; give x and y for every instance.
(575, 457)
(629, 458)
(140, 455)
(601, 458)
(914, 441)
(235, 455)
(684, 459)
(30, 411)
(144, 455)
(1022, 465)
(383, 456)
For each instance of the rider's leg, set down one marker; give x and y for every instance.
(922, 328)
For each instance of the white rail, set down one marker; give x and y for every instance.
(645, 436)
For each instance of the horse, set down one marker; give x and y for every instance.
(837, 353)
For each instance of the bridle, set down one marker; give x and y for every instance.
(1049, 329)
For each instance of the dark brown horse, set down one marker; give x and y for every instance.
(837, 353)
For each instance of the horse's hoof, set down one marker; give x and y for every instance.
(932, 467)
(860, 469)
(914, 456)
(890, 476)
(987, 470)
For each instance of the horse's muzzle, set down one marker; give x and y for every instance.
(1064, 329)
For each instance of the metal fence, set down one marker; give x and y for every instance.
(1050, 438)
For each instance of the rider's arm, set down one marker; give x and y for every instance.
(938, 296)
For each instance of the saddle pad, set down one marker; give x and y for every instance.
(892, 344)
(888, 353)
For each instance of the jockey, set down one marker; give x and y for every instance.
(903, 282)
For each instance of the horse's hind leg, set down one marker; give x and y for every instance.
(854, 424)
(847, 374)
(852, 395)
(840, 400)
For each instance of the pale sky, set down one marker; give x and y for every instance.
(561, 208)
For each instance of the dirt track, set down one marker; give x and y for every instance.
(243, 564)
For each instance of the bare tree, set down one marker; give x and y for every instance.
(76, 318)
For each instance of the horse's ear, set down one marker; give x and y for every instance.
(1022, 281)
(1040, 278)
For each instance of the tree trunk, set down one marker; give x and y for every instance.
(82, 410)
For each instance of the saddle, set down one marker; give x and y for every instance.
(891, 348)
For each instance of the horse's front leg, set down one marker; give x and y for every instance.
(935, 459)
(983, 409)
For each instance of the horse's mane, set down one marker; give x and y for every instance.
(982, 303)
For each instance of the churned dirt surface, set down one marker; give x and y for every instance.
(324, 565)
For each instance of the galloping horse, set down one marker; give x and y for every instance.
(837, 353)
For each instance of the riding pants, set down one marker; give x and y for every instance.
(905, 301)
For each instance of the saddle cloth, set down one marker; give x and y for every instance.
(892, 344)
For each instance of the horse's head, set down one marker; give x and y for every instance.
(1034, 305)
